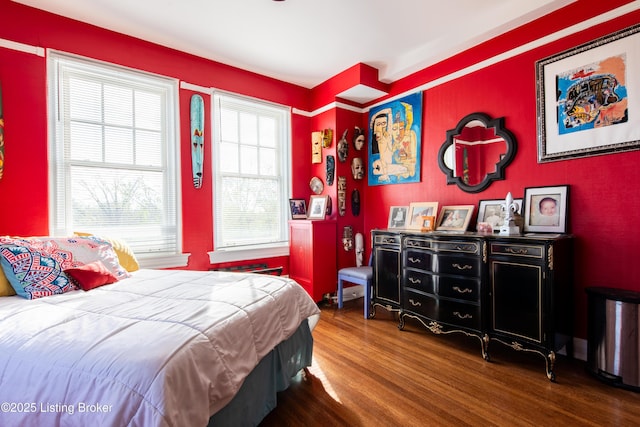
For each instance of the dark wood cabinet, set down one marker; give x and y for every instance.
(386, 268)
(312, 256)
(531, 295)
(516, 290)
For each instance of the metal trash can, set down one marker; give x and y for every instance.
(613, 346)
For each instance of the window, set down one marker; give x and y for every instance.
(251, 163)
(113, 155)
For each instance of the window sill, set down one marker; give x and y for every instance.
(247, 254)
(164, 261)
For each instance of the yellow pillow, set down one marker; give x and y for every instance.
(126, 257)
(5, 288)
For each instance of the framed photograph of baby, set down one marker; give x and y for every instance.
(545, 209)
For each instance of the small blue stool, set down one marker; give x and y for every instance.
(362, 276)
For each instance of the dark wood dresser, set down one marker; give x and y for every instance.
(514, 290)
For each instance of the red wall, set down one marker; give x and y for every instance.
(604, 211)
(23, 189)
(604, 201)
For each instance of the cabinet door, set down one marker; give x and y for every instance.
(387, 280)
(300, 250)
(517, 299)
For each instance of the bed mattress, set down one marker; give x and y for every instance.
(161, 348)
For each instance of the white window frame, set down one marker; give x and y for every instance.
(267, 249)
(60, 212)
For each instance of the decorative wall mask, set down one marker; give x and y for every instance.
(329, 206)
(355, 202)
(316, 185)
(316, 147)
(347, 238)
(343, 147)
(358, 138)
(331, 169)
(357, 168)
(197, 139)
(327, 138)
(342, 195)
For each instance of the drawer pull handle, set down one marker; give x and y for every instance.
(462, 291)
(517, 251)
(462, 267)
(462, 316)
(415, 260)
(415, 281)
(415, 303)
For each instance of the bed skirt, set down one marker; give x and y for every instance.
(258, 394)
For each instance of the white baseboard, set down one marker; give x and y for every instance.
(352, 292)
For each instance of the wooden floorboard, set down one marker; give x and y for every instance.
(370, 373)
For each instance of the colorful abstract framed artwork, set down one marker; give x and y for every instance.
(588, 98)
(394, 141)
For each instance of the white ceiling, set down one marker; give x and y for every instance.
(306, 42)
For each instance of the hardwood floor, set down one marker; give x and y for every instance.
(369, 373)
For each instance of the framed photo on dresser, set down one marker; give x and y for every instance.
(455, 218)
(545, 209)
(398, 216)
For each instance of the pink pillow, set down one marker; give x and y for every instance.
(78, 250)
(91, 275)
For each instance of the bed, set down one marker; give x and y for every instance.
(154, 348)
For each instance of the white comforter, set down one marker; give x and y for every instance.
(162, 348)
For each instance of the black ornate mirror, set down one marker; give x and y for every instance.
(476, 152)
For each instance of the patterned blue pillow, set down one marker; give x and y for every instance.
(32, 273)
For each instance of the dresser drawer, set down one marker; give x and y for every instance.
(519, 250)
(464, 266)
(419, 280)
(451, 312)
(458, 246)
(464, 289)
(418, 259)
(417, 242)
(460, 314)
(386, 239)
(422, 304)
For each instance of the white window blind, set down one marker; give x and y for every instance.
(113, 154)
(251, 166)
